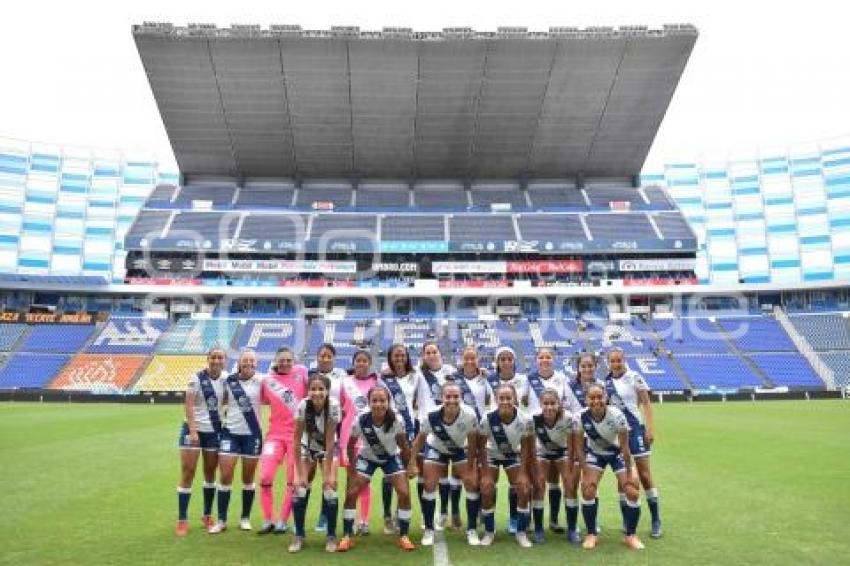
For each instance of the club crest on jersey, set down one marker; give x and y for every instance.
(435, 390)
(361, 403)
(212, 404)
(505, 447)
(469, 399)
(244, 403)
(400, 400)
(288, 398)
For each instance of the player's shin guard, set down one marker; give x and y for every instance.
(652, 501)
(403, 522)
(473, 504)
(209, 497)
(299, 509)
(571, 508)
(589, 510)
(248, 492)
(488, 516)
(555, 496)
(348, 516)
(223, 502)
(455, 485)
(537, 507)
(331, 506)
(523, 518)
(429, 505)
(631, 516)
(387, 497)
(445, 493)
(184, 494)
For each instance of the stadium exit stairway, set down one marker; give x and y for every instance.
(671, 358)
(755, 369)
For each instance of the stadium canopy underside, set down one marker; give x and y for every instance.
(252, 102)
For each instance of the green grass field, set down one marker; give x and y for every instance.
(740, 483)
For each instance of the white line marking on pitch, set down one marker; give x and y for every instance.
(441, 551)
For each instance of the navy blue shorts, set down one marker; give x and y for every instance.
(600, 461)
(368, 467)
(637, 443)
(507, 463)
(431, 454)
(246, 445)
(208, 440)
(552, 455)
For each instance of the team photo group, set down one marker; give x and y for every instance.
(448, 430)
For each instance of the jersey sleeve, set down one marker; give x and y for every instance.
(620, 421)
(334, 414)
(640, 383)
(193, 385)
(356, 431)
(302, 409)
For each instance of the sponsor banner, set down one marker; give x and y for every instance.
(473, 284)
(522, 246)
(395, 267)
(439, 267)
(413, 246)
(323, 205)
(660, 281)
(279, 266)
(620, 205)
(51, 318)
(164, 281)
(671, 264)
(552, 266)
(314, 283)
(600, 266)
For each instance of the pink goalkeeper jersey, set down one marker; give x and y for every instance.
(283, 392)
(355, 399)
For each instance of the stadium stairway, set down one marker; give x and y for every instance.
(671, 358)
(753, 367)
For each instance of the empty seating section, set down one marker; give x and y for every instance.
(476, 229)
(824, 331)
(10, 334)
(348, 226)
(161, 195)
(630, 339)
(722, 372)
(99, 373)
(411, 333)
(149, 224)
(197, 336)
(27, 370)
(169, 373)
(620, 226)
(57, 337)
(484, 194)
(839, 362)
(559, 334)
(345, 335)
(413, 227)
(658, 198)
(266, 195)
(690, 335)
(287, 227)
(757, 334)
(673, 226)
(219, 195)
(658, 372)
(266, 336)
(449, 196)
(545, 195)
(337, 193)
(207, 225)
(128, 336)
(550, 227)
(481, 334)
(792, 369)
(604, 194)
(372, 195)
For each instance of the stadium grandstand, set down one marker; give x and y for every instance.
(476, 188)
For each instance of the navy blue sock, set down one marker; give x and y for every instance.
(429, 506)
(209, 497)
(445, 493)
(631, 517)
(512, 504)
(403, 522)
(489, 519)
(473, 505)
(299, 510)
(387, 497)
(247, 500)
(652, 501)
(537, 513)
(223, 502)
(455, 490)
(571, 509)
(331, 504)
(184, 494)
(588, 511)
(348, 516)
(523, 518)
(554, 503)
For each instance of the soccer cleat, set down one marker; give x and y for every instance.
(281, 528)
(207, 521)
(428, 538)
(389, 526)
(512, 526)
(574, 537)
(182, 528)
(217, 527)
(441, 522)
(456, 524)
(522, 540)
(245, 524)
(267, 528)
(330, 545)
(322, 525)
(539, 537)
(296, 545)
(346, 544)
(472, 538)
(363, 529)
(405, 543)
(589, 542)
(633, 542)
(488, 539)
(556, 528)
(657, 532)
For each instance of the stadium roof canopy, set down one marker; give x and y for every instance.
(284, 101)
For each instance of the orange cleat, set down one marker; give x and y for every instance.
(589, 542)
(182, 528)
(207, 521)
(346, 544)
(404, 543)
(633, 542)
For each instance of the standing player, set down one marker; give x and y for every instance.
(283, 389)
(607, 433)
(448, 435)
(506, 439)
(356, 388)
(546, 377)
(384, 446)
(241, 437)
(200, 434)
(315, 429)
(401, 381)
(628, 391)
(431, 377)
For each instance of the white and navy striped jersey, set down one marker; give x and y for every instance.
(558, 434)
(558, 381)
(234, 421)
(607, 430)
(628, 386)
(200, 409)
(426, 394)
(387, 439)
(465, 424)
(316, 441)
(522, 426)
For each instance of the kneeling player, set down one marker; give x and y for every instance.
(384, 440)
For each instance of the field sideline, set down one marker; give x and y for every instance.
(740, 482)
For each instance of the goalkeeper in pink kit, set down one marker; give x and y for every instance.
(283, 389)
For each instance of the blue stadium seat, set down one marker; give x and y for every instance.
(57, 337)
(30, 370)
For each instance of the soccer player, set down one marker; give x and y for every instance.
(506, 439)
(401, 381)
(200, 434)
(432, 374)
(448, 434)
(384, 445)
(607, 433)
(356, 387)
(546, 376)
(628, 391)
(283, 389)
(554, 428)
(316, 432)
(241, 437)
